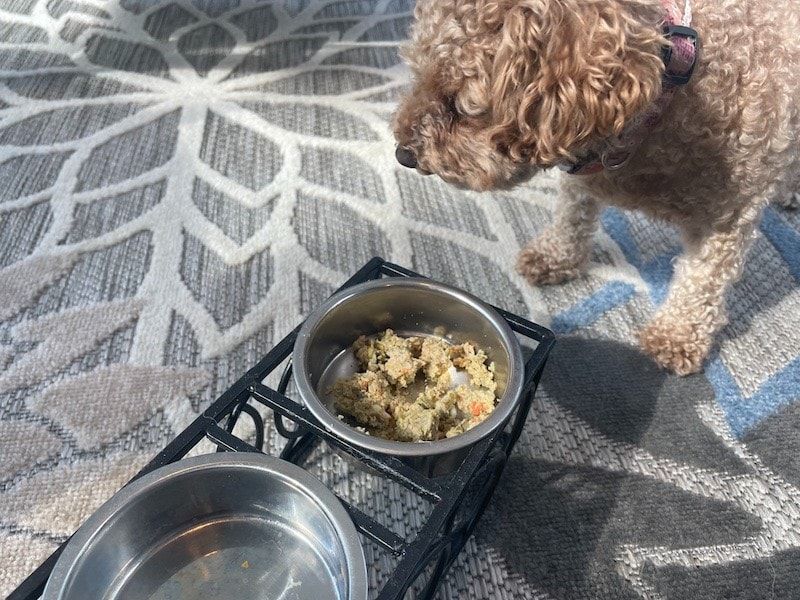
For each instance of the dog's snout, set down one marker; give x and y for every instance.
(406, 157)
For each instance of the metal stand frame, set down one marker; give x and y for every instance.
(458, 498)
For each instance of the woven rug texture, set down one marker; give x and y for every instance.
(183, 181)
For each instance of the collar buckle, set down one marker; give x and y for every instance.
(690, 36)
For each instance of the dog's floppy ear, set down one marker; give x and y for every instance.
(570, 72)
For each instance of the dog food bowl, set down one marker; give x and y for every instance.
(226, 525)
(409, 306)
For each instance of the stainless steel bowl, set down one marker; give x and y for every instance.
(409, 306)
(227, 525)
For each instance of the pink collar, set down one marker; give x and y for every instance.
(680, 58)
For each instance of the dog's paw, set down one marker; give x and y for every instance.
(542, 265)
(676, 348)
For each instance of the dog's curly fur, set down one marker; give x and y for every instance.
(504, 88)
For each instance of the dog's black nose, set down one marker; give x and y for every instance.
(406, 157)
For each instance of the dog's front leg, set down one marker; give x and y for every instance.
(560, 251)
(682, 332)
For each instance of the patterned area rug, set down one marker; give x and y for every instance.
(182, 181)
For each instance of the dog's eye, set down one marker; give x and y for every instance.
(450, 103)
(452, 115)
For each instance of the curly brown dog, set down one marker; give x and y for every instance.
(504, 88)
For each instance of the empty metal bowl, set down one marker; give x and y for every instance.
(409, 306)
(227, 525)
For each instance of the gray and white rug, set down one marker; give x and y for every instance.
(182, 181)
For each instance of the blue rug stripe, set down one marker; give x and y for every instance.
(728, 394)
(616, 225)
(589, 309)
(657, 273)
(785, 239)
(742, 414)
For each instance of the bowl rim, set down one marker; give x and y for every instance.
(106, 516)
(333, 424)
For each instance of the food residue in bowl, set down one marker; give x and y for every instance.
(416, 388)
